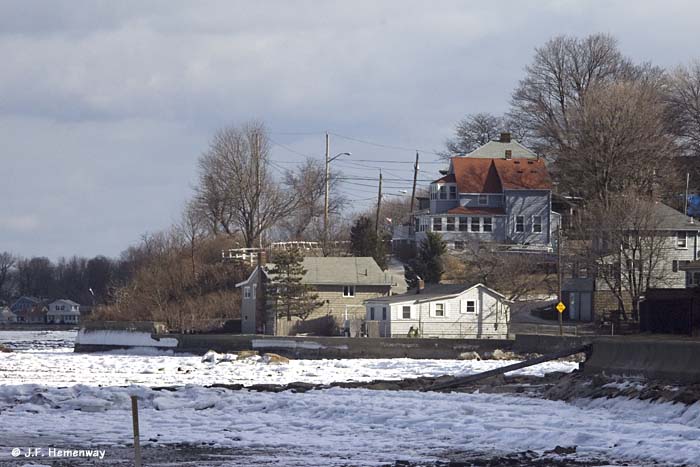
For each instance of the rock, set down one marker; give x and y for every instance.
(469, 356)
(562, 450)
(5, 349)
(243, 354)
(499, 354)
(274, 359)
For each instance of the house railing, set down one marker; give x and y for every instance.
(250, 255)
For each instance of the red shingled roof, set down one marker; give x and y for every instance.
(496, 175)
(476, 175)
(519, 174)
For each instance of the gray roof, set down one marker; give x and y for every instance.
(669, 218)
(497, 150)
(431, 292)
(66, 301)
(342, 270)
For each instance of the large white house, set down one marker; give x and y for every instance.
(63, 311)
(448, 311)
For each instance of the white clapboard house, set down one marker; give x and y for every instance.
(455, 311)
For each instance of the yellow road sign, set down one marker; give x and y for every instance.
(560, 307)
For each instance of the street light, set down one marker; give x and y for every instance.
(328, 176)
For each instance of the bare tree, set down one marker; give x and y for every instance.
(618, 142)
(475, 130)
(237, 191)
(684, 106)
(192, 229)
(7, 262)
(308, 184)
(516, 275)
(557, 82)
(628, 245)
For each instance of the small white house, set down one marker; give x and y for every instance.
(6, 316)
(447, 311)
(63, 311)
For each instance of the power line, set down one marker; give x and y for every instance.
(381, 145)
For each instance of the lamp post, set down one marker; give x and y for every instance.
(328, 176)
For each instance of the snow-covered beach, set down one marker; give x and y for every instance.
(50, 396)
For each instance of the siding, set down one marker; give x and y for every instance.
(490, 321)
(495, 200)
(528, 204)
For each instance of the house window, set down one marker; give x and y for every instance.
(537, 224)
(520, 223)
(459, 245)
(255, 289)
(439, 309)
(450, 224)
(463, 224)
(453, 192)
(681, 239)
(246, 292)
(406, 312)
(475, 224)
(443, 192)
(675, 265)
(488, 226)
(483, 199)
(371, 314)
(384, 314)
(471, 306)
(437, 224)
(433, 191)
(348, 291)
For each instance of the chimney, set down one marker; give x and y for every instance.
(509, 154)
(421, 285)
(505, 137)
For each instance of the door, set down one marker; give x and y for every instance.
(585, 305)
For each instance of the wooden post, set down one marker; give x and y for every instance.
(559, 277)
(137, 443)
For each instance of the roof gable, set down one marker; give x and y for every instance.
(497, 150)
(475, 175)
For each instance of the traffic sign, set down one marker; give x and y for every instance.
(560, 307)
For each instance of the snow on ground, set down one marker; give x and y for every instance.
(151, 367)
(50, 396)
(38, 340)
(354, 426)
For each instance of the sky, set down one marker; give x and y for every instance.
(106, 106)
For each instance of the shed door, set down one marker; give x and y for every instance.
(585, 307)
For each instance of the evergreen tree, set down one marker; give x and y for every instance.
(290, 295)
(428, 263)
(364, 241)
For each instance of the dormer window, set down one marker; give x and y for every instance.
(453, 192)
(443, 192)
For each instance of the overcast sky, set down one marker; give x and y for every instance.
(105, 106)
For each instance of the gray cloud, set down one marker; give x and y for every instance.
(106, 105)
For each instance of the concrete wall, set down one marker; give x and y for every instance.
(675, 360)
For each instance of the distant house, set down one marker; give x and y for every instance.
(63, 311)
(342, 283)
(590, 291)
(500, 193)
(6, 316)
(447, 311)
(24, 303)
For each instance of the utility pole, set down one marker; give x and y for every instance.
(325, 198)
(411, 227)
(559, 278)
(379, 204)
(687, 186)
